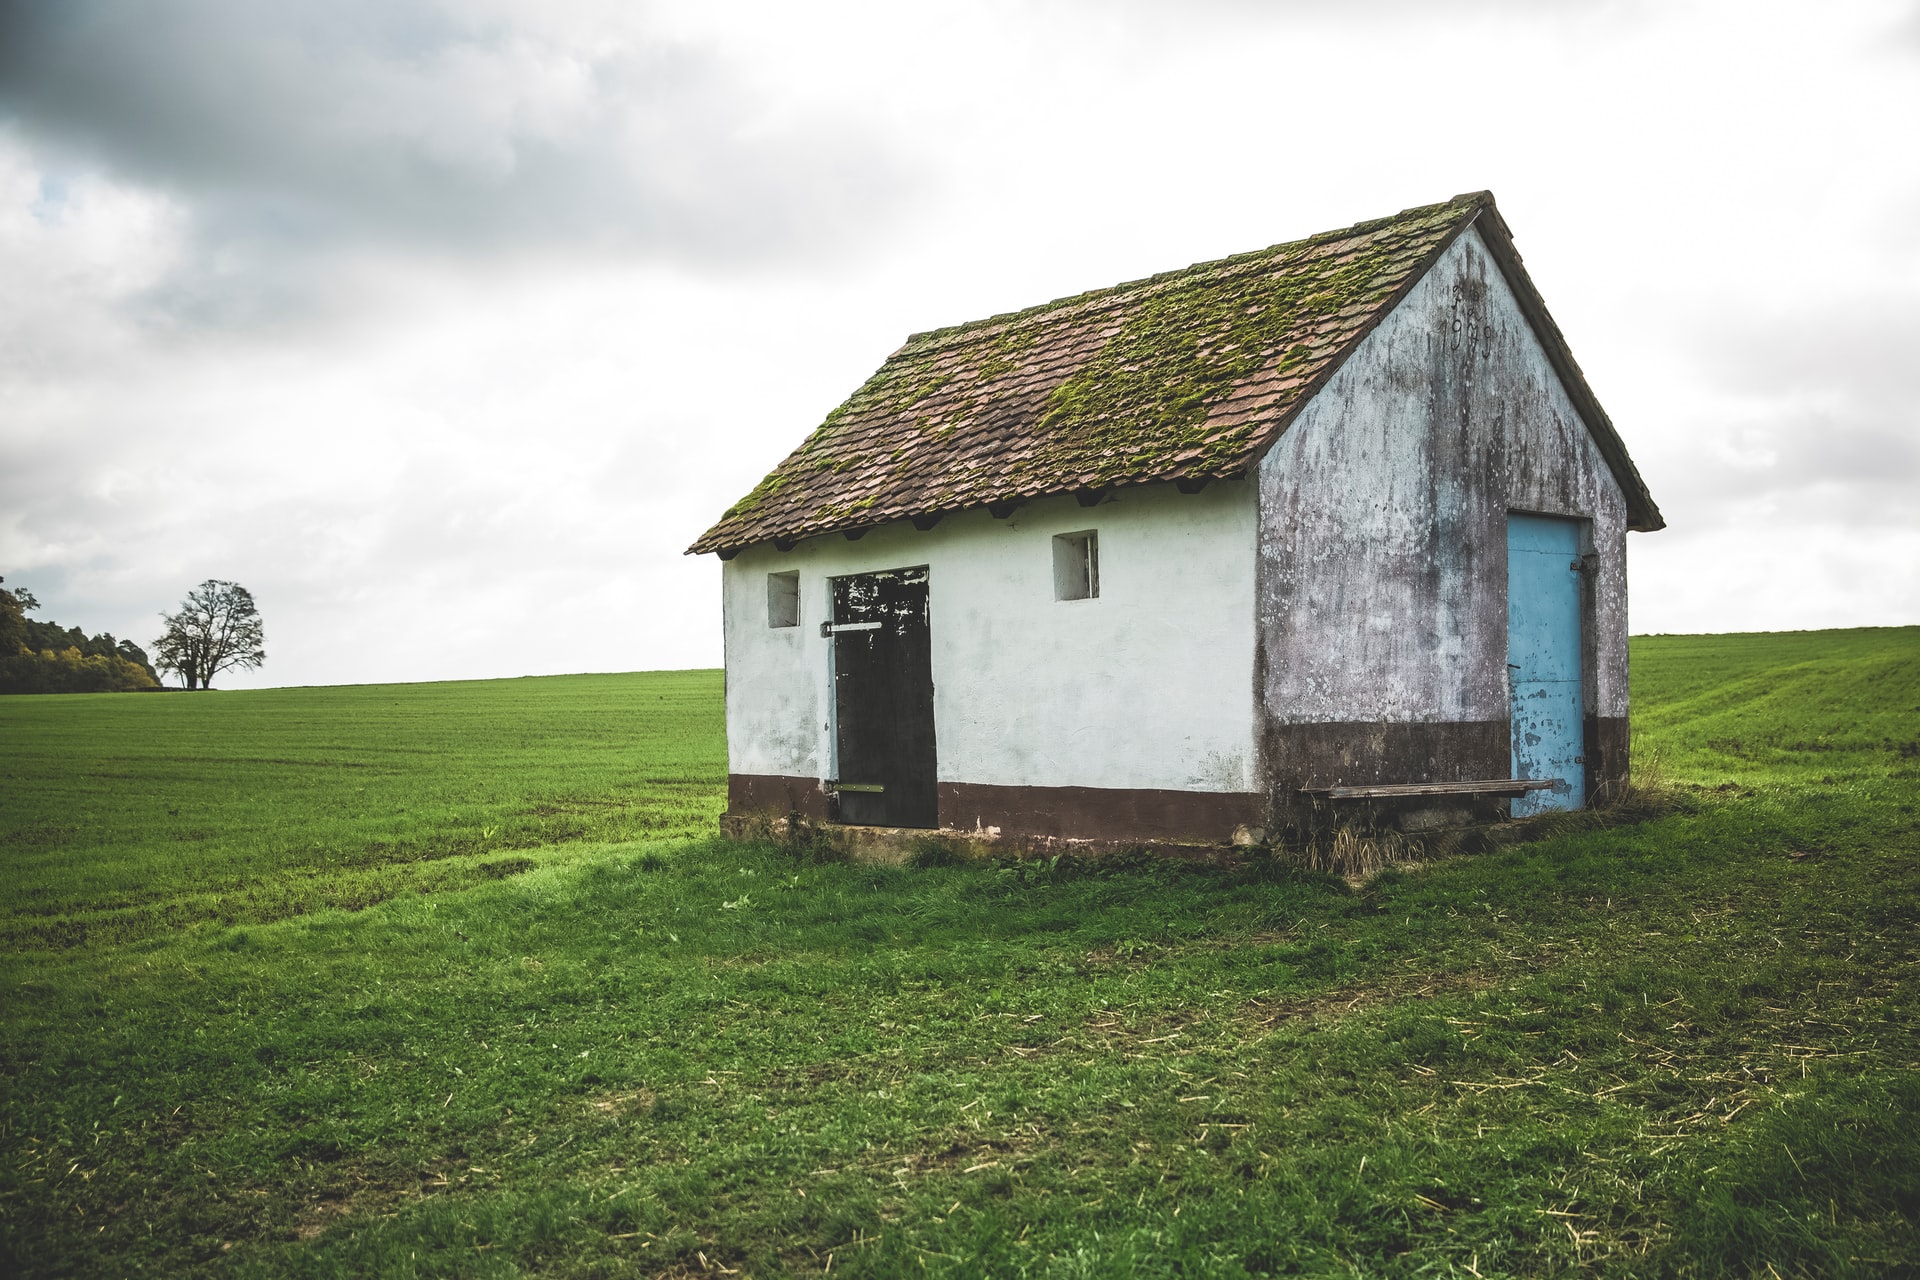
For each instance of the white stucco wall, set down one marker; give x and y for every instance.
(1383, 553)
(1148, 686)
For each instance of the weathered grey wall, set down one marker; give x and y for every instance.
(1382, 548)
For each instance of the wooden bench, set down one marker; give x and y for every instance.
(1397, 790)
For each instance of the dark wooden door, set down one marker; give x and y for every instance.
(883, 699)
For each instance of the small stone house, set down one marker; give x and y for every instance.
(1333, 522)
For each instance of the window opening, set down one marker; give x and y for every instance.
(1076, 566)
(783, 599)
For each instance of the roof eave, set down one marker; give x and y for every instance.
(1643, 514)
(727, 548)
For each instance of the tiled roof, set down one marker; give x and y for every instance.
(1188, 375)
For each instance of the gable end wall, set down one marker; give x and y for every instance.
(1381, 579)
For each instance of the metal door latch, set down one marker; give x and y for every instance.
(873, 788)
(831, 628)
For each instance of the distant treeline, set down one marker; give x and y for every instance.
(45, 657)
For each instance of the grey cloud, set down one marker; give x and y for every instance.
(1832, 427)
(1851, 358)
(299, 127)
(1853, 470)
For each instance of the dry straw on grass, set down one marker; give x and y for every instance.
(1351, 851)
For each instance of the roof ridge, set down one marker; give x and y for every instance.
(935, 338)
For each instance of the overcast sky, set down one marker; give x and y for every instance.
(446, 327)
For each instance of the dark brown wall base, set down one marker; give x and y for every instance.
(1053, 813)
(1098, 813)
(1370, 752)
(773, 794)
(1366, 753)
(1356, 754)
(1609, 757)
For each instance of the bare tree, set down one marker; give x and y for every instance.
(217, 628)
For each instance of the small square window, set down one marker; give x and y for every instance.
(1076, 566)
(783, 599)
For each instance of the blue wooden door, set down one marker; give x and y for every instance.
(1543, 660)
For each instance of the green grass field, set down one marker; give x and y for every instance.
(451, 980)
